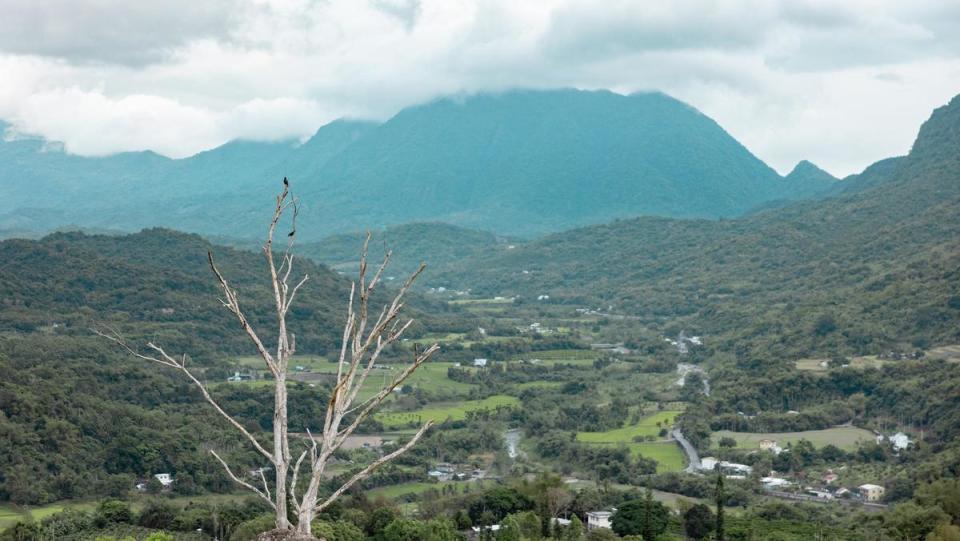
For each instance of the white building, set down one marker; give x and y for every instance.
(900, 441)
(871, 493)
(599, 519)
(480, 362)
(165, 479)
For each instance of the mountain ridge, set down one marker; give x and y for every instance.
(521, 162)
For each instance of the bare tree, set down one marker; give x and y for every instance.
(365, 337)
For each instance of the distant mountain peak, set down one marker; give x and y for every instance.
(807, 172)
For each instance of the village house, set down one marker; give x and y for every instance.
(480, 363)
(829, 477)
(770, 445)
(599, 519)
(870, 492)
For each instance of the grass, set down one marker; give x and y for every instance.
(540, 385)
(947, 353)
(668, 455)
(395, 491)
(813, 365)
(12, 514)
(846, 437)
(646, 427)
(438, 413)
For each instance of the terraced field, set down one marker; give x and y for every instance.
(441, 412)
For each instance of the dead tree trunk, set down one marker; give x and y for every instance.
(363, 341)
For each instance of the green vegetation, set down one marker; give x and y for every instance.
(866, 281)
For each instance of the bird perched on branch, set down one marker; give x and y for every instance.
(286, 182)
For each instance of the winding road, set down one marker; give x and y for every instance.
(693, 458)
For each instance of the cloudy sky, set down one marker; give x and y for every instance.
(840, 83)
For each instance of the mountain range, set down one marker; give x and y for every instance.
(518, 163)
(875, 267)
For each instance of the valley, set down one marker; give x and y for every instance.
(801, 357)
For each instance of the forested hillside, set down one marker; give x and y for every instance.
(869, 270)
(434, 244)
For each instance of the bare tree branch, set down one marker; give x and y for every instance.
(241, 481)
(172, 362)
(364, 473)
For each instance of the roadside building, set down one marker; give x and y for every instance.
(599, 519)
(871, 493)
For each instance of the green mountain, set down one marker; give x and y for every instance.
(519, 163)
(528, 162)
(872, 269)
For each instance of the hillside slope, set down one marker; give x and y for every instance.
(435, 244)
(872, 269)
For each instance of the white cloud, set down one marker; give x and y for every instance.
(840, 83)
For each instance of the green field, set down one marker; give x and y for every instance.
(432, 376)
(646, 427)
(668, 455)
(540, 385)
(438, 413)
(846, 437)
(395, 491)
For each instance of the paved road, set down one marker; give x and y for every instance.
(693, 458)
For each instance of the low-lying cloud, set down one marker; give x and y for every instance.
(839, 83)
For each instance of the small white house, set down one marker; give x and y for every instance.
(480, 363)
(165, 479)
(599, 519)
(900, 441)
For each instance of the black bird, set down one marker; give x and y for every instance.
(290, 234)
(285, 183)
